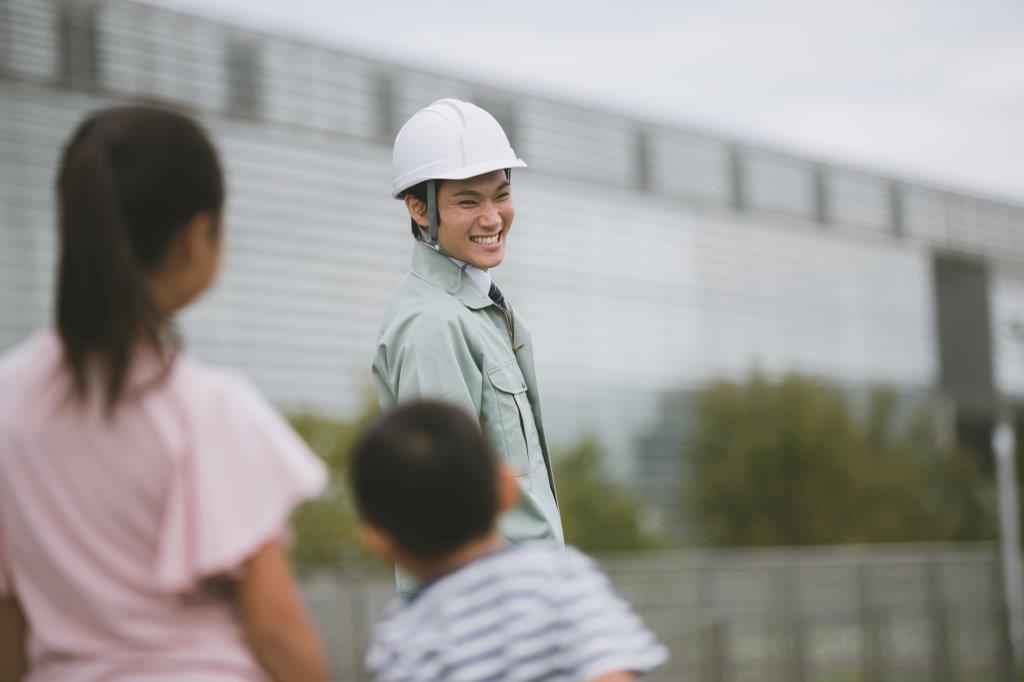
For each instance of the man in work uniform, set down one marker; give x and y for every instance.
(449, 334)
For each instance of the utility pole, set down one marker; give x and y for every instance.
(1004, 447)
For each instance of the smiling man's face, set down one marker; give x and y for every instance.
(476, 215)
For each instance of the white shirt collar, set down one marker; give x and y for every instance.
(480, 278)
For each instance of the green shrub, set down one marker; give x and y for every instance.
(786, 463)
(325, 528)
(597, 515)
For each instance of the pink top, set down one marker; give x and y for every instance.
(108, 527)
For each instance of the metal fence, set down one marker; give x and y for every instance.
(878, 614)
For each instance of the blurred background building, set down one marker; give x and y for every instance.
(647, 259)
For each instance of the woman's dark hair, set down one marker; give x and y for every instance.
(424, 474)
(130, 178)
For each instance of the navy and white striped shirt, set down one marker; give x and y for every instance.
(534, 612)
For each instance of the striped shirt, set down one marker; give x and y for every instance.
(534, 612)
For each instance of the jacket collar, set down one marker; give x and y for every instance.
(440, 272)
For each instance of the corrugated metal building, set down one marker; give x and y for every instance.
(646, 258)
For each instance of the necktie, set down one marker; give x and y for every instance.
(495, 295)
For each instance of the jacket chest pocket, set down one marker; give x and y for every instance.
(514, 419)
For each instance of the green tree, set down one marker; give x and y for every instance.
(597, 515)
(786, 463)
(325, 528)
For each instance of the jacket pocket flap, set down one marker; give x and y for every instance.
(508, 378)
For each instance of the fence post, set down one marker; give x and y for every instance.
(359, 609)
(872, 627)
(714, 631)
(938, 618)
(714, 650)
(796, 651)
(1004, 645)
(1004, 447)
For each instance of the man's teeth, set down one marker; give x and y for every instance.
(486, 241)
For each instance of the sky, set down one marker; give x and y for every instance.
(926, 90)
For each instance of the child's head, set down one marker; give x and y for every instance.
(426, 484)
(140, 194)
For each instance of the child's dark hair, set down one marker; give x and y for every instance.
(130, 178)
(423, 474)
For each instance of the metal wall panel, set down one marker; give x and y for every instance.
(1008, 222)
(606, 270)
(977, 223)
(245, 77)
(858, 200)
(778, 184)
(689, 166)
(500, 105)
(32, 51)
(416, 89)
(785, 300)
(924, 215)
(311, 265)
(309, 86)
(290, 69)
(6, 34)
(30, 136)
(312, 87)
(966, 224)
(577, 143)
(341, 95)
(153, 53)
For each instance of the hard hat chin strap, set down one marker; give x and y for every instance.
(432, 214)
(433, 219)
(427, 234)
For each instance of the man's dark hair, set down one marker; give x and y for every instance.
(424, 474)
(420, 192)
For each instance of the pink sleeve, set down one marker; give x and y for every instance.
(244, 472)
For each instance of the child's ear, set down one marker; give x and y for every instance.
(198, 237)
(508, 490)
(377, 543)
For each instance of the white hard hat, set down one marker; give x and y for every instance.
(449, 140)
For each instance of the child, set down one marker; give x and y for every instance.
(429, 492)
(143, 496)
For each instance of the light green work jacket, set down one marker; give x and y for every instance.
(443, 338)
